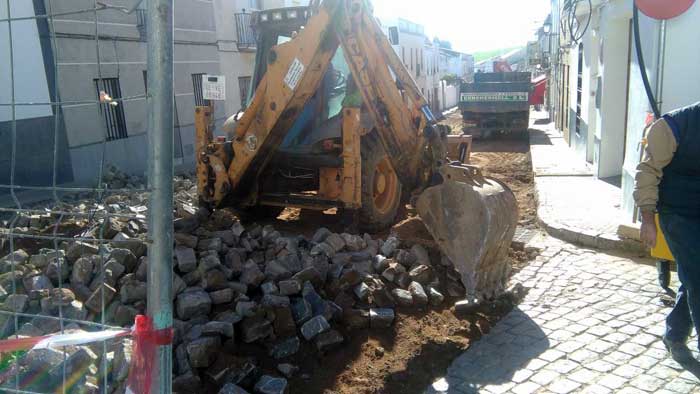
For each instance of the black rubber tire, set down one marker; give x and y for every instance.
(258, 212)
(371, 219)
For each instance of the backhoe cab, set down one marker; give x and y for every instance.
(330, 155)
(336, 121)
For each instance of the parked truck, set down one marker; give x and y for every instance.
(496, 103)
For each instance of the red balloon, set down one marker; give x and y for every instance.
(664, 9)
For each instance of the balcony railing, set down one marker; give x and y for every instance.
(244, 30)
(141, 24)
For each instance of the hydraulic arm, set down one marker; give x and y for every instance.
(404, 123)
(337, 120)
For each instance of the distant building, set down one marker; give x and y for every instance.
(429, 62)
(539, 51)
(456, 63)
(484, 66)
(211, 37)
(517, 58)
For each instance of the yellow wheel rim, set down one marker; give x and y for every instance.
(386, 186)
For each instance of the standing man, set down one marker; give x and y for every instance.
(668, 183)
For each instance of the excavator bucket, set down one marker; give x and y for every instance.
(473, 221)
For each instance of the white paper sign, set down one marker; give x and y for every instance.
(214, 87)
(495, 96)
(294, 74)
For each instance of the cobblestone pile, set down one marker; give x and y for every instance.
(233, 285)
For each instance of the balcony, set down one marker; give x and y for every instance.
(141, 24)
(244, 31)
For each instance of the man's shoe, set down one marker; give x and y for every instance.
(663, 268)
(679, 351)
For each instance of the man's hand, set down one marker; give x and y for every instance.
(648, 231)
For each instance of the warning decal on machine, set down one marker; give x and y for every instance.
(294, 74)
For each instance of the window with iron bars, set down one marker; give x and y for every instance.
(199, 100)
(244, 88)
(244, 31)
(394, 35)
(112, 112)
(141, 23)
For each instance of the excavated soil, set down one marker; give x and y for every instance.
(508, 159)
(403, 360)
(515, 169)
(422, 344)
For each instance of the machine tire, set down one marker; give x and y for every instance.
(381, 187)
(258, 212)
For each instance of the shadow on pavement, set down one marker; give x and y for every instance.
(613, 180)
(502, 144)
(693, 367)
(539, 137)
(495, 359)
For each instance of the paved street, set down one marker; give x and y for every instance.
(563, 211)
(591, 323)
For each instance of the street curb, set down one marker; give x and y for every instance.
(586, 238)
(583, 237)
(609, 242)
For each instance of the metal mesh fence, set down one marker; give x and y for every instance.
(73, 257)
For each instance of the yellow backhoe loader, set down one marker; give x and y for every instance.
(336, 121)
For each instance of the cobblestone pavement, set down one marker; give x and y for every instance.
(565, 212)
(590, 323)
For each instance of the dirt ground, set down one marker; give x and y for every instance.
(506, 158)
(404, 360)
(509, 162)
(422, 344)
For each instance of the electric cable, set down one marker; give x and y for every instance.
(577, 37)
(569, 23)
(642, 64)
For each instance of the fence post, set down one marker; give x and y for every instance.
(160, 178)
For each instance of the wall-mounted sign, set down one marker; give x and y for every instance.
(214, 87)
(664, 9)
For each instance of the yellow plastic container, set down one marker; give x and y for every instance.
(661, 251)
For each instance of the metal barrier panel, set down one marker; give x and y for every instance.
(74, 258)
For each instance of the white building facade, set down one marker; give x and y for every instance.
(598, 99)
(429, 63)
(211, 37)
